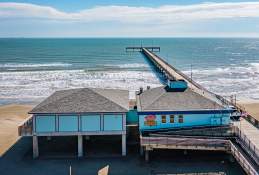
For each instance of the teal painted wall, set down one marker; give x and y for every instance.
(132, 117)
(45, 123)
(177, 84)
(112, 122)
(68, 123)
(189, 120)
(91, 122)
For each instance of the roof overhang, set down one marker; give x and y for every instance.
(219, 111)
(75, 113)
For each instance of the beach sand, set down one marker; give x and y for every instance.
(10, 117)
(252, 108)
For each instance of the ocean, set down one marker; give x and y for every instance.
(32, 69)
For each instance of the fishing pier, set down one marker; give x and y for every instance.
(242, 143)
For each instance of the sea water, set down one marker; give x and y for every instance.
(32, 69)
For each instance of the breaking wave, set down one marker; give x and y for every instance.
(242, 81)
(28, 65)
(35, 85)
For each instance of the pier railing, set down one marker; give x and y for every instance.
(252, 120)
(247, 144)
(242, 160)
(184, 143)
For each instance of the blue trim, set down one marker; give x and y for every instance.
(77, 113)
(224, 111)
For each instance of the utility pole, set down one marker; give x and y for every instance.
(191, 75)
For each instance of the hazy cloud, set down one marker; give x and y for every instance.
(126, 14)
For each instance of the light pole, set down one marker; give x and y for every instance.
(191, 76)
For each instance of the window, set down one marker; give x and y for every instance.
(163, 118)
(180, 119)
(171, 118)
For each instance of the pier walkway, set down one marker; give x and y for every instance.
(172, 73)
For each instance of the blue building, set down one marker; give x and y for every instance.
(81, 112)
(177, 106)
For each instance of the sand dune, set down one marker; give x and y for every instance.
(10, 117)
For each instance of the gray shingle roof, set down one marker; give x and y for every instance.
(158, 99)
(84, 100)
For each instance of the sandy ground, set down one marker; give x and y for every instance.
(252, 108)
(10, 117)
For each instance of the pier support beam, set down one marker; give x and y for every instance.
(123, 145)
(80, 145)
(146, 155)
(35, 146)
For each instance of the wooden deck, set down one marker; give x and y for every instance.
(248, 137)
(150, 143)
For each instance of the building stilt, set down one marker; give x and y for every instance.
(141, 150)
(35, 146)
(123, 145)
(80, 146)
(147, 155)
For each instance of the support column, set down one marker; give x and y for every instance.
(146, 155)
(141, 150)
(123, 145)
(231, 158)
(35, 146)
(80, 146)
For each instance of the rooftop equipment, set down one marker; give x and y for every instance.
(176, 85)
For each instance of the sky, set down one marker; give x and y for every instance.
(129, 18)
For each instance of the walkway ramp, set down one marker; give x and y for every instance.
(248, 138)
(245, 161)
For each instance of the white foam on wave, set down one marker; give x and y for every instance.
(242, 80)
(252, 45)
(39, 84)
(131, 65)
(30, 65)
